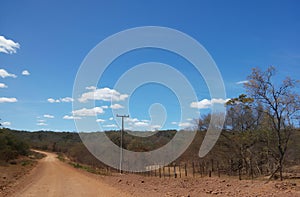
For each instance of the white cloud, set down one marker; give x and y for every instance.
(111, 118)
(8, 100)
(66, 117)
(185, 124)
(6, 124)
(141, 124)
(48, 116)
(4, 73)
(137, 123)
(8, 46)
(2, 85)
(41, 120)
(100, 120)
(91, 88)
(41, 124)
(66, 100)
(116, 106)
(104, 107)
(51, 100)
(25, 72)
(132, 120)
(110, 126)
(174, 123)
(104, 94)
(61, 100)
(88, 112)
(242, 82)
(205, 103)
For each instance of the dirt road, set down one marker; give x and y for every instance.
(54, 178)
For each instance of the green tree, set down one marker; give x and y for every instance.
(241, 116)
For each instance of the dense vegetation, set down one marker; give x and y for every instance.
(228, 148)
(11, 146)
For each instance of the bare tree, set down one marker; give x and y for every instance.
(281, 104)
(203, 122)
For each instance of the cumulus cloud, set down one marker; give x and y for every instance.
(242, 82)
(8, 100)
(4, 74)
(174, 123)
(88, 112)
(41, 124)
(100, 120)
(116, 106)
(61, 100)
(185, 124)
(111, 118)
(66, 117)
(110, 126)
(48, 116)
(132, 120)
(51, 100)
(137, 123)
(103, 94)
(2, 85)
(141, 124)
(91, 88)
(6, 124)
(25, 72)
(205, 103)
(66, 100)
(8, 46)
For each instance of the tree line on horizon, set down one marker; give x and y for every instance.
(259, 130)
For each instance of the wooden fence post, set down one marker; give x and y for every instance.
(175, 174)
(193, 165)
(240, 168)
(179, 171)
(159, 170)
(251, 169)
(231, 167)
(218, 168)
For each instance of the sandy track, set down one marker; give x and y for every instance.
(54, 178)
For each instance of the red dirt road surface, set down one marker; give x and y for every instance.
(55, 178)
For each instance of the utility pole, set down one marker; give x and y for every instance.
(121, 143)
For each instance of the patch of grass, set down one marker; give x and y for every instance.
(36, 155)
(26, 162)
(90, 169)
(61, 157)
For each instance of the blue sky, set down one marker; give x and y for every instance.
(50, 39)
